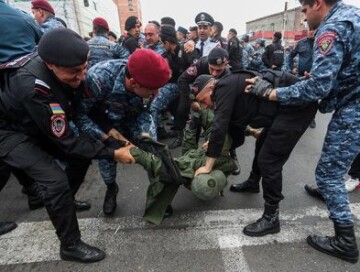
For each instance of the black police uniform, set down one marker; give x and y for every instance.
(35, 111)
(201, 67)
(235, 53)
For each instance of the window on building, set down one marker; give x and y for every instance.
(130, 5)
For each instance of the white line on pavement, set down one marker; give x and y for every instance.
(36, 241)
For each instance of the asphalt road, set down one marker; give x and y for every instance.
(201, 236)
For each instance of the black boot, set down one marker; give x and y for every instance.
(267, 224)
(6, 227)
(313, 191)
(81, 252)
(110, 204)
(342, 245)
(82, 205)
(251, 185)
(234, 157)
(178, 141)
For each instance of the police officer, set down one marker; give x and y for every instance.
(101, 48)
(43, 90)
(133, 38)
(336, 52)
(215, 34)
(235, 50)
(181, 35)
(170, 91)
(152, 38)
(45, 15)
(273, 56)
(214, 64)
(205, 44)
(121, 90)
(255, 61)
(11, 47)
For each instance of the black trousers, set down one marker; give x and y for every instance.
(56, 191)
(5, 172)
(282, 136)
(354, 171)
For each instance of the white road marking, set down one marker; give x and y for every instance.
(36, 241)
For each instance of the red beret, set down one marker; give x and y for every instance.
(100, 22)
(148, 68)
(42, 4)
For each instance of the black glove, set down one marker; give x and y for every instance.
(114, 143)
(261, 88)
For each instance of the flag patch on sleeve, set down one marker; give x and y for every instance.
(56, 109)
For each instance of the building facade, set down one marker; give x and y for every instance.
(291, 23)
(78, 14)
(128, 8)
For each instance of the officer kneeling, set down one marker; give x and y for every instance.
(36, 99)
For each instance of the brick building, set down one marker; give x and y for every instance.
(294, 29)
(128, 8)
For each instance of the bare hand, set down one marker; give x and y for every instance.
(202, 170)
(117, 135)
(123, 154)
(189, 46)
(250, 83)
(306, 74)
(205, 145)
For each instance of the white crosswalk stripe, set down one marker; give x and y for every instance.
(37, 242)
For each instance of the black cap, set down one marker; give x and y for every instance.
(204, 18)
(233, 30)
(168, 34)
(277, 35)
(219, 26)
(73, 49)
(193, 28)
(131, 22)
(182, 30)
(218, 56)
(200, 82)
(168, 21)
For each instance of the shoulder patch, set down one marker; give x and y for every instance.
(41, 87)
(58, 125)
(56, 109)
(325, 42)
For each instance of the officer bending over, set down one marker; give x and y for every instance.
(36, 129)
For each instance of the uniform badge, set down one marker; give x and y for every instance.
(219, 61)
(56, 109)
(326, 42)
(58, 125)
(202, 16)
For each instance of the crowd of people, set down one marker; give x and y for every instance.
(105, 99)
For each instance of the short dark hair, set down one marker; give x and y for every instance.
(311, 2)
(218, 26)
(233, 30)
(100, 30)
(112, 34)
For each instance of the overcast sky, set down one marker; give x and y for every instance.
(231, 13)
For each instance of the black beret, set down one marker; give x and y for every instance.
(200, 82)
(204, 18)
(63, 47)
(130, 22)
(168, 33)
(218, 56)
(277, 35)
(182, 30)
(168, 21)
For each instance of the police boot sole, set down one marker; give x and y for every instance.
(262, 233)
(80, 260)
(351, 259)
